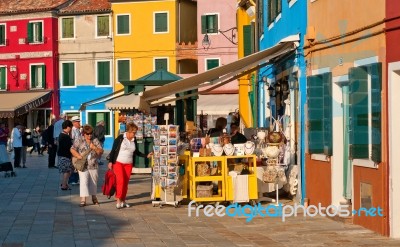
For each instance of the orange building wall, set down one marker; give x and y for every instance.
(319, 182)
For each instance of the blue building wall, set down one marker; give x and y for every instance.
(72, 98)
(291, 21)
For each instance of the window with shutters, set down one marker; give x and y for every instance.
(248, 40)
(3, 34)
(212, 63)
(67, 28)
(260, 18)
(274, 9)
(35, 32)
(365, 109)
(124, 69)
(94, 117)
(161, 22)
(38, 76)
(319, 104)
(103, 26)
(123, 24)
(161, 63)
(3, 78)
(103, 73)
(209, 23)
(68, 74)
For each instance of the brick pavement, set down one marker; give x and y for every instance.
(35, 212)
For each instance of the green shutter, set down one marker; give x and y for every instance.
(68, 74)
(212, 63)
(2, 78)
(123, 24)
(33, 76)
(215, 24)
(315, 104)
(40, 32)
(203, 24)
(358, 111)
(103, 73)
(376, 82)
(30, 32)
(161, 22)
(327, 87)
(2, 35)
(103, 28)
(43, 76)
(123, 70)
(161, 64)
(247, 44)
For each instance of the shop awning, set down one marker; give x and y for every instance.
(14, 104)
(217, 104)
(222, 74)
(124, 102)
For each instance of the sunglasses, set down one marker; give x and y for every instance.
(91, 133)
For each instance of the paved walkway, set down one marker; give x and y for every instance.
(35, 212)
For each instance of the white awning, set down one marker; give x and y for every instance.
(222, 74)
(217, 104)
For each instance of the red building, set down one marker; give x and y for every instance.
(29, 61)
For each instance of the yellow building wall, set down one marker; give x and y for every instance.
(142, 45)
(244, 81)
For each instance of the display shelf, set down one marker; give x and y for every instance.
(251, 162)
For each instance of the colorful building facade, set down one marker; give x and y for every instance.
(86, 61)
(347, 108)
(29, 62)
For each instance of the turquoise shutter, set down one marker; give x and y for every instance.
(30, 32)
(327, 88)
(203, 24)
(212, 63)
(40, 32)
(43, 76)
(161, 64)
(376, 86)
(161, 22)
(2, 78)
(358, 112)
(123, 70)
(315, 104)
(123, 24)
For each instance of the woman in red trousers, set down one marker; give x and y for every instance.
(122, 159)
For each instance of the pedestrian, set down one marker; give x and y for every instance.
(75, 134)
(64, 153)
(88, 177)
(26, 142)
(17, 144)
(4, 132)
(36, 141)
(99, 133)
(58, 128)
(220, 125)
(48, 137)
(122, 159)
(236, 136)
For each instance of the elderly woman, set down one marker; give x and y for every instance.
(122, 159)
(64, 155)
(88, 177)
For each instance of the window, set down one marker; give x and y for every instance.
(124, 72)
(365, 112)
(103, 73)
(103, 26)
(3, 78)
(68, 74)
(161, 22)
(248, 39)
(35, 32)
(212, 63)
(94, 117)
(123, 26)
(274, 9)
(319, 103)
(38, 76)
(161, 63)
(2, 34)
(209, 23)
(67, 28)
(260, 19)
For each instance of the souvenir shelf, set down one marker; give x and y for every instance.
(246, 161)
(207, 179)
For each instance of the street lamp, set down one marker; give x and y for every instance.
(206, 42)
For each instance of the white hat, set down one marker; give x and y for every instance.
(75, 119)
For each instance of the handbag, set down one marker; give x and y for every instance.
(81, 164)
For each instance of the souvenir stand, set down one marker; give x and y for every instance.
(221, 171)
(166, 167)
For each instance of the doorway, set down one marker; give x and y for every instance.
(394, 144)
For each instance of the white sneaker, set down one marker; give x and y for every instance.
(125, 205)
(119, 205)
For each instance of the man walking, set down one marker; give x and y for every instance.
(49, 140)
(17, 144)
(75, 134)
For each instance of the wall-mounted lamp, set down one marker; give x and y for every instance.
(293, 83)
(206, 42)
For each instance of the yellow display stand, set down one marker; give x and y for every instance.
(252, 177)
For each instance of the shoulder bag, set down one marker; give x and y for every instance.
(81, 164)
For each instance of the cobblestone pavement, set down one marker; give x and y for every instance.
(35, 212)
